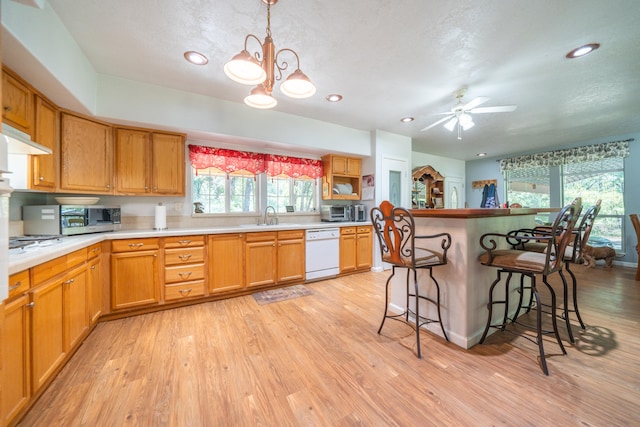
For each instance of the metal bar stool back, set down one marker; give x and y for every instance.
(400, 247)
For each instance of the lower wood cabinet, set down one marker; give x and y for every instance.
(291, 253)
(226, 262)
(261, 257)
(355, 248)
(16, 373)
(76, 315)
(94, 287)
(184, 267)
(134, 273)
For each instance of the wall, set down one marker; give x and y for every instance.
(490, 169)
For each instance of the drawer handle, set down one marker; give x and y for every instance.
(185, 291)
(95, 250)
(16, 286)
(184, 242)
(7, 108)
(31, 304)
(70, 281)
(185, 275)
(136, 245)
(184, 257)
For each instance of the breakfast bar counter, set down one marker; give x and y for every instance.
(464, 282)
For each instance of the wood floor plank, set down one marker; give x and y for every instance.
(317, 360)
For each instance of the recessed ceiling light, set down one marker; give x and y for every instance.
(407, 119)
(481, 154)
(334, 97)
(582, 50)
(195, 57)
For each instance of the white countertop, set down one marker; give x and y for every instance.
(30, 258)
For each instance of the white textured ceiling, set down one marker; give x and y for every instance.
(391, 59)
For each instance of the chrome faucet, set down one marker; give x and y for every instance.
(268, 221)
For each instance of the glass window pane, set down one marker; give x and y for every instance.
(304, 199)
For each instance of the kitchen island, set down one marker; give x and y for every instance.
(464, 282)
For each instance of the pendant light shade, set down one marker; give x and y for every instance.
(259, 98)
(298, 85)
(245, 69)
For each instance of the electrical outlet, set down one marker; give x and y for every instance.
(178, 207)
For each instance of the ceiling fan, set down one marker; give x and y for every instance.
(461, 113)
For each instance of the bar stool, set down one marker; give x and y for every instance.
(395, 229)
(572, 255)
(530, 264)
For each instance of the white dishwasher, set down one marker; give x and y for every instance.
(322, 253)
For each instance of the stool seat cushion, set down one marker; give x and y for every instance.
(534, 262)
(425, 257)
(542, 248)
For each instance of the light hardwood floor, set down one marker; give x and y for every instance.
(318, 361)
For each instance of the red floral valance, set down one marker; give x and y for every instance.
(225, 160)
(273, 165)
(293, 167)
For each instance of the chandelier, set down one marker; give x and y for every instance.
(260, 69)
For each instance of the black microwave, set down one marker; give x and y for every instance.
(68, 220)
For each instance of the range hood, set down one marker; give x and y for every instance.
(20, 143)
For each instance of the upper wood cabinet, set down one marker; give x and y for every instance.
(86, 155)
(17, 102)
(44, 168)
(342, 178)
(149, 163)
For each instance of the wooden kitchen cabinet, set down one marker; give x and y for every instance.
(16, 387)
(76, 315)
(94, 287)
(261, 258)
(226, 262)
(184, 267)
(44, 168)
(17, 102)
(149, 163)
(134, 273)
(341, 174)
(355, 248)
(86, 155)
(291, 256)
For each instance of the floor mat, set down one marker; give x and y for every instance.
(281, 294)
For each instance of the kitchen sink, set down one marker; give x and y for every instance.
(282, 224)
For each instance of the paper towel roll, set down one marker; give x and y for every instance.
(161, 218)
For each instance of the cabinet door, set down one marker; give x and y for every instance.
(348, 246)
(226, 262)
(134, 279)
(16, 103)
(47, 331)
(260, 266)
(16, 389)
(291, 265)
(94, 289)
(132, 161)
(167, 164)
(76, 318)
(44, 167)
(86, 155)
(364, 248)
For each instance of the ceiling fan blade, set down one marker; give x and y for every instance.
(436, 123)
(474, 103)
(496, 109)
(451, 124)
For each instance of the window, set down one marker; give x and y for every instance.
(226, 181)
(218, 193)
(530, 188)
(301, 193)
(601, 179)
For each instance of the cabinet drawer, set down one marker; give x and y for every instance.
(18, 283)
(183, 241)
(347, 230)
(134, 245)
(182, 273)
(76, 258)
(290, 234)
(364, 229)
(49, 269)
(94, 251)
(183, 256)
(261, 237)
(184, 290)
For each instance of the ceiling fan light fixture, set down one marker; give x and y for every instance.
(259, 98)
(245, 69)
(466, 121)
(298, 85)
(451, 124)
